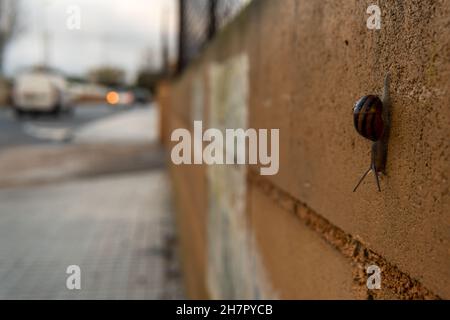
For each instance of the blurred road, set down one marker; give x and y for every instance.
(25, 131)
(86, 189)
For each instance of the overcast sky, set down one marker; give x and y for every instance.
(113, 32)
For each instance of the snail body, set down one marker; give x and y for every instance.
(371, 120)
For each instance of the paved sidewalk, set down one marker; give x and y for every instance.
(117, 228)
(133, 126)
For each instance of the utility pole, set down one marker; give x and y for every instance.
(164, 42)
(181, 34)
(45, 39)
(45, 49)
(212, 19)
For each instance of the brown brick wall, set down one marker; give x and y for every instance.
(309, 61)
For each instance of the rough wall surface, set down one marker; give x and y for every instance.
(308, 62)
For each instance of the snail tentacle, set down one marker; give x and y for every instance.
(362, 178)
(375, 173)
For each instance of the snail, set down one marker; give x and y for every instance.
(371, 120)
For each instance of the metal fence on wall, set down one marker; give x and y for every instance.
(200, 20)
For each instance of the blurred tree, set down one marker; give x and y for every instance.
(108, 76)
(148, 79)
(8, 25)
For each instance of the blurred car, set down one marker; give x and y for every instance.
(40, 91)
(142, 96)
(86, 93)
(126, 97)
(122, 97)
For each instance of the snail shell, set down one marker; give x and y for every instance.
(367, 117)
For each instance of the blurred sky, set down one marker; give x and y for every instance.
(123, 33)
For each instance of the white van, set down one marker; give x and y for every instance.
(40, 91)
